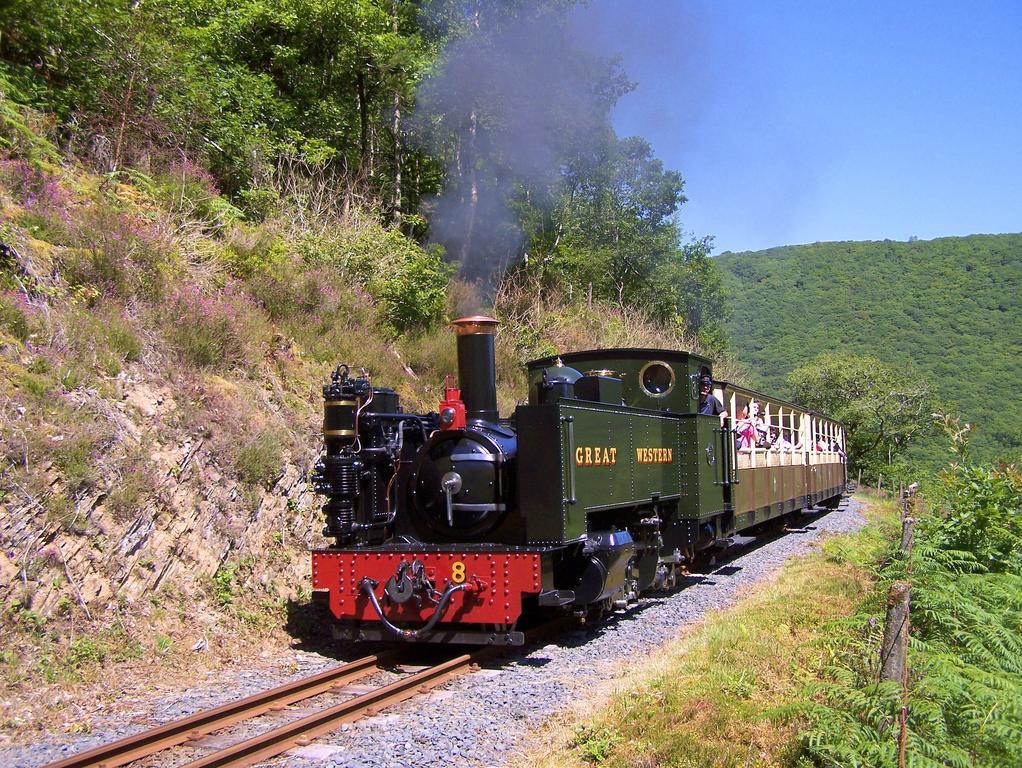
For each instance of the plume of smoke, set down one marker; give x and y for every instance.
(512, 104)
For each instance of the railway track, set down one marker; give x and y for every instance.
(284, 737)
(297, 732)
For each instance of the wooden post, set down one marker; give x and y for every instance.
(907, 524)
(880, 479)
(894, 647)
(858, 485)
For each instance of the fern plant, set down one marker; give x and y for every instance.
(965, 654)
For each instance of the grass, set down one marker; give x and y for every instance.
(710, 698)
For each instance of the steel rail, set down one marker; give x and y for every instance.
(300, 732)
(195, 726)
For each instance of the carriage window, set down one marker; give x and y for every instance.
(656, 378)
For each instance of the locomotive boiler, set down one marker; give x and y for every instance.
(456, 525)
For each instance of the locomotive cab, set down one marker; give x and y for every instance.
(657, 379)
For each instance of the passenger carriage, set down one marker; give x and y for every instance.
(768, 481)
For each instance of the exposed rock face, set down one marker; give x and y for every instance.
(194, 518)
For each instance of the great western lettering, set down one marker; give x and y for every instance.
(595, 456)
(654, 455)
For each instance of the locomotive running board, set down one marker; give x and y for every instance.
(378, 634)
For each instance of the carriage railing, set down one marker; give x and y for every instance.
(758, 457)
(794, 427)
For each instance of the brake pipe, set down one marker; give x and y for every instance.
(368, 585)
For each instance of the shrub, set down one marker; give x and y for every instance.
(595, 743)
(285, 290)
(83, 651)
(431, 354)
(22, 130)
(35, 385)
(413, 292)
(131, 490)
(258, 462)
(965, 656)
(44, 200)
(222, 584)
(38, 190)
(228, 579)
(209, 330)
(100, 338)
(409, 283)
(74, 456)
(117, 253)
(121, 337)
(190, 191)
(252, 250)
(258, 203)
(980, 511)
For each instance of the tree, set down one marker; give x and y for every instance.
(615, 220)
(689, 285)
(883, 408)
(511, 107)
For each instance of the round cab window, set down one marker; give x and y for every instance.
(657, 379)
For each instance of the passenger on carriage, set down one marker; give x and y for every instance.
(751, 429)
(778, 442)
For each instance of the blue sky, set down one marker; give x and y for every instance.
(800, 122)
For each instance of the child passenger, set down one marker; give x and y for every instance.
(752, 431)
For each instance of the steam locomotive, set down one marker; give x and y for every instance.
(458, 526)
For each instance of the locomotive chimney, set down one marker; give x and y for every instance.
(477, 370)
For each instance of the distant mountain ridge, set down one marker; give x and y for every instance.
(950, 307)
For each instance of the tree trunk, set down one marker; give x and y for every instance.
(363, 114)
(124, 119)
(473, 188)
(371, 167)
(395, 200)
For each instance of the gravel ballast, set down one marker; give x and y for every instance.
(482, 718)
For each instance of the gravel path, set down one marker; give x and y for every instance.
(482, 718)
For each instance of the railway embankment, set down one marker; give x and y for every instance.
(489, 716)
(161, 363)
(710, 697)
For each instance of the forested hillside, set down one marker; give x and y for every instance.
(949, 308)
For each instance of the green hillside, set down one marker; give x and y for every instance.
(949, 307)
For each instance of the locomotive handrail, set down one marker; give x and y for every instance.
(729, 463)
(570, 421)
(724, 471)
(729, 435)
(735, 479)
